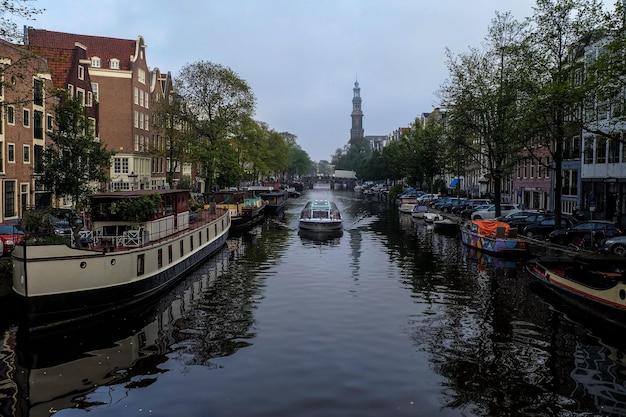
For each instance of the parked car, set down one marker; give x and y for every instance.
(10, 235)
(455, 204)
(467, 213)
(517, 215)
(437, 204)
(546, 226)
(467, 203)
(616, 245)
(594, 230)
(490, 213)
(428, 198)
(522, 221)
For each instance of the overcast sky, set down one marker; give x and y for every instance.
(301, 57)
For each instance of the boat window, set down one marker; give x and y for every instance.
(160, 258)
(182, 248)
(169, 254)
(140, 264)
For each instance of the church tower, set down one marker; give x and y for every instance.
(357, 115)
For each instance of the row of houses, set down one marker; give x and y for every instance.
(594, 176)
(118, 89)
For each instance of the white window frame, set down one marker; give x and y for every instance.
(10, 146)
(26, 154)
(11, 120)
(114, 63)
(26, 116)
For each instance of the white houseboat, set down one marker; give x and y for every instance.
(320, 216)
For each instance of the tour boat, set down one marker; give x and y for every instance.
(492, 236)
(246, 207)
(592, 280)
(124, 261)
(320, 216)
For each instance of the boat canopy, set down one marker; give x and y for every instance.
(487, 227)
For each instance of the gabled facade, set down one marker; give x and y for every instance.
(26, 115)
(120, 83)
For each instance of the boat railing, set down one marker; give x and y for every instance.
(120, 237)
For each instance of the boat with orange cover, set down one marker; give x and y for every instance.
(493, 236)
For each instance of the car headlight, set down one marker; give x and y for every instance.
(9, 242)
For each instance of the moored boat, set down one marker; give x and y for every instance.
(126, 261)
(446, 227)
(492, 236)
(407, 207)
(320, 216)
(430, 217)
(592, 280)
(419, 210)
(246, 207)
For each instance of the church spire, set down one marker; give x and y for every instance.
(357, 114)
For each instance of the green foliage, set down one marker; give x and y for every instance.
(10, 9)
(138, 209)
(74, 162)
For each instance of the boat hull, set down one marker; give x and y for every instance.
(320, 226)
(493, 245)
(58, 284)
(446, 227)
(593, 286)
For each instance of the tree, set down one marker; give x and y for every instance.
(482, 100)
(220, 101)
(554, 93)
(9, 9)
(175, 126)
(74, 163)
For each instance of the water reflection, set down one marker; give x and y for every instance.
(66, 368)
(388, 316)
(329, 238)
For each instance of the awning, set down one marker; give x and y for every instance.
(454, 183)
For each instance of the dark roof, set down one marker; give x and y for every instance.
(103, 47)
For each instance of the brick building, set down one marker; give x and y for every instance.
(26, 115)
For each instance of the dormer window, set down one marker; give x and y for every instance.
(96, 62)
(114, 63)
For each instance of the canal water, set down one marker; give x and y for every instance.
(388, 319)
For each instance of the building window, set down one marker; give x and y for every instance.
(9, 198)
(136, 118)
(26, 118)
(613, 151)
(95, 89)
(147, 100)
(38, 155)
(70, 90)
(600, 150)
(11, 152)
(120, 165)
(80, 96)
(81, 72)
(141, 76)
(136, 95)
(588, 154)
(114, 63)
(49, 122)
(38, 124)
(96, 62)
(89, 99)
(26, 154)
(10, 115)
(38, 92)
(1, 156)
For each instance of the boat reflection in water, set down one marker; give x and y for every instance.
(328, 237)
(484, 261)
(65, 368)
